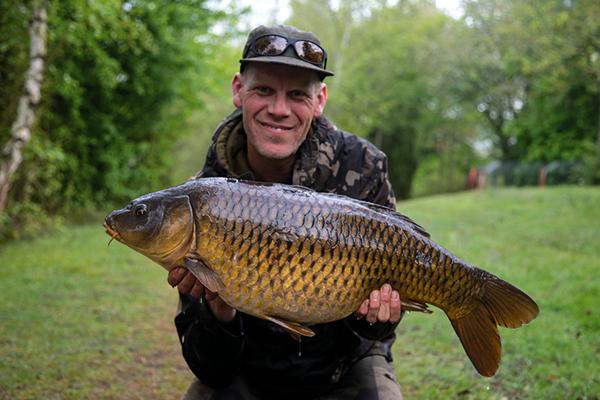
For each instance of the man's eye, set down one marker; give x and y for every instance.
(263, 90)
(297, 94)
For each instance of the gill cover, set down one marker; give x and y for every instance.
(176, 234)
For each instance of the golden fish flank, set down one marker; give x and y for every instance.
(297, 257)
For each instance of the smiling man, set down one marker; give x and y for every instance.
(278, 105)
(278, 134)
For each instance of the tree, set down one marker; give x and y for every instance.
(393, 84)
(535, 76)
(21, 128)
(397, 91)
(562, 120)
(492, 68)
(122, 78)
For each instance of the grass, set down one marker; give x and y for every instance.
(79, 320)
(545, 241)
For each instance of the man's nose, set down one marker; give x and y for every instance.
(279, 106)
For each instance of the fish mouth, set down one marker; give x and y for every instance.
(111, 232)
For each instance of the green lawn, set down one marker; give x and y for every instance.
(80, 320)
(546, 242)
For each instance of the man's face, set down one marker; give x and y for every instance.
(278, 105)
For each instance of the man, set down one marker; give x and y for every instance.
(278, 134)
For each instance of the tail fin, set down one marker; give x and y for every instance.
(501, 304)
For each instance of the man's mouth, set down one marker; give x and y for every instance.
(276, 128)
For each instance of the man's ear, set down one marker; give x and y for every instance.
(236, 88)
(321, 100)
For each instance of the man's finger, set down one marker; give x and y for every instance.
(176, 275)
(221, 310)
(187, 283)
(383, 315)
(362, 310)
(198, 290)
(395, 307)
(210, 296)
(374, 303)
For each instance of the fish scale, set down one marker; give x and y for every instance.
(297, 257)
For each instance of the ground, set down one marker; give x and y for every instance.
(80, 320)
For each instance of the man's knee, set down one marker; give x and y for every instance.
(372, 378)
(198, 391)
(386, 384)
(237, 390)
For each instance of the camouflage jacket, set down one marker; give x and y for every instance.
(328, 160)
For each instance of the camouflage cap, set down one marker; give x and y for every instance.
(290, 55)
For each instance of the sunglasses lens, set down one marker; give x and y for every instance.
(270, 45)
(309, 51)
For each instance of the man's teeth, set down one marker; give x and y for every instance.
(276, 128)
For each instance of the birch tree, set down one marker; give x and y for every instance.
(21, 129)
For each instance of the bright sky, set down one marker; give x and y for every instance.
(278, 10)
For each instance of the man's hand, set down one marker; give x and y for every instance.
(187, 283)
(381, 306)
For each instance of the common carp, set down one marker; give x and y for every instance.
(297, 257)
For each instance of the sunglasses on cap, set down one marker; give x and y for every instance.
(275, 45)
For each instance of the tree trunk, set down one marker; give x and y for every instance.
(497, 125)
(12, 154)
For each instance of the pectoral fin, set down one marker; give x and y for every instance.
(204, 274)
(293, 328)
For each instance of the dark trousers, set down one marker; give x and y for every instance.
(370, 378)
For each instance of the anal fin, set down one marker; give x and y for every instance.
(412, 305)
(205, 275)
(295, 329)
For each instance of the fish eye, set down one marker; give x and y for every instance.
(141, 210)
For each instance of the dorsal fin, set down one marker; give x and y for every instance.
(386, 211)
(372, 206)
(394, 214)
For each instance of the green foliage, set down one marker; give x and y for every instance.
(557, 126)
(523, 76)
(536, 76)
(191, 148)
(391, 83)
(386, 82)
(567, 88)
(443, 171)
(121, 79)
(117, 70)
(134, 89)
